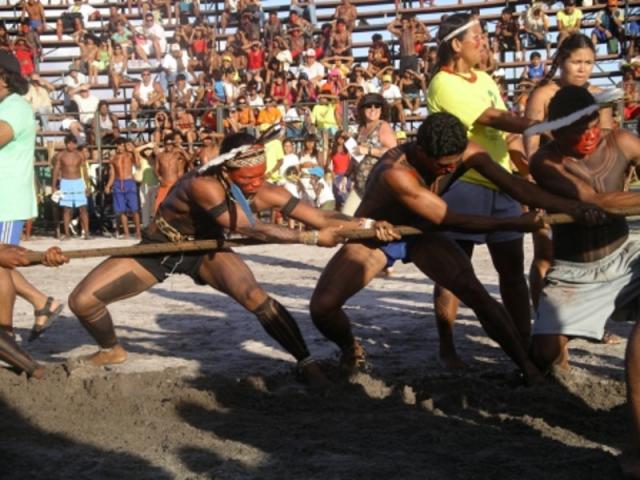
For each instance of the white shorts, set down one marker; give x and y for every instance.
(578, 297)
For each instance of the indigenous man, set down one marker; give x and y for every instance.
(596, 271)
(125, 192)
(70, 170)
(201, 205)
(170, 166)
(12, 256)
(398, 190)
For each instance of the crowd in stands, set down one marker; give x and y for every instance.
(186, 75)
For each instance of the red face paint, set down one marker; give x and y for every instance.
(588, 141)
(249, 179)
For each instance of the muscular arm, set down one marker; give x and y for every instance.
(432, 208)
(209, 195)
(520, 189)
(555, 177)
(274, 196)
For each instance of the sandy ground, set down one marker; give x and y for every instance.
(207, 394)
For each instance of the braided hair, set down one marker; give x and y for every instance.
(570, 44)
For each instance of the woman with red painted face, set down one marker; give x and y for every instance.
(227, 193)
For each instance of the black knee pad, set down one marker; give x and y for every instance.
(279, 323)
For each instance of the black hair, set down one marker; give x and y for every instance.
(570, 44)
(101, 103)
(70, 137)
(120, 141)
(448, 25)
(236, 140)
(442, 134)
(568, 100)
(535, 55)
(376, 36)
(16, 83)
(180, 76)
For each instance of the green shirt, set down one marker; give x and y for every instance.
(17, 186)
(467, 101)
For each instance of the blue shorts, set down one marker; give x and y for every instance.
(73, 193)
(471, 199)
(11, 231)
(600, 35)
(125, 196)
(399, 250)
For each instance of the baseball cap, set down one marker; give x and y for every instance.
(310, 52)
(387, 78)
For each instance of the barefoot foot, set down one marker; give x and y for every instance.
(106, 356)
(313, 375)
(38, 373)
(354, 358)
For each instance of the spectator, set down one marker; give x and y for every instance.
(507, 34)
(340, 167)
(294, 119)
(569, 20)
(123, 37)
(305, 9)
(100, 62)
(117, 68)
(230, 13)
(75, 17)
(393, 96)
(273, 28)
(87, 105)
(105, 122)
(269, 115)
(313, 69)
(246, 117)
(379, 56)
(39, 98)
(151, 40)
(347, 12)
(411, 85)
(609, 27)
(629, 84)
(163, 128)
(535, 70)
(174, 63)
(185, 125)
(33, 10)
(407, 29)
(340, 40)
(185, 9)
(536, 27)
(375, 137)
(181, 93)
(25, 55)
(147, 96)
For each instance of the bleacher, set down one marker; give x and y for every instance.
(374, 16)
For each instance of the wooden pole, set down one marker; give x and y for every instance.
(203, 245)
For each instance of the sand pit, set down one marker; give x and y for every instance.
(207, 394)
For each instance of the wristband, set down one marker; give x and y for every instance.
(310, 238)
(366, 222)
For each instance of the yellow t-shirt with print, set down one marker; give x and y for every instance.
(468, 100)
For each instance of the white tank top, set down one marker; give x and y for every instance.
(145, 91)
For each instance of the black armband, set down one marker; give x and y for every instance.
(218, 210)
(289, 206)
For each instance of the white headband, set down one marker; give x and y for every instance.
(561, 122)
(461, 29)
